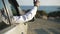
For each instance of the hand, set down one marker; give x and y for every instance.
(36, 3)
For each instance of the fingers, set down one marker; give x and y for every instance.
(35, 0)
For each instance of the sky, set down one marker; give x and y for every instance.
(42, 2)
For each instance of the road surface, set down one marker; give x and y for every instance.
(41, 26)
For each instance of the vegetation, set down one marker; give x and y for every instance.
(40, 13)
(54, 14)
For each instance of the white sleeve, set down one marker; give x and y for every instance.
(28, 16)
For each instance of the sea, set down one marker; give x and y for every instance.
(47, 9)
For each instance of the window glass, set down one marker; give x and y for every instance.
(11, 7)
(1, 5)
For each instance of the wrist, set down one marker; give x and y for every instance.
(36, 6)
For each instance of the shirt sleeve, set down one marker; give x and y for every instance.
(28, 16)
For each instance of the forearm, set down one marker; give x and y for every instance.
(28, 16)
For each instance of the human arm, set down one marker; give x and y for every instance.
(28, 16)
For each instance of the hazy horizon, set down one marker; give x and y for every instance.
(47, 9)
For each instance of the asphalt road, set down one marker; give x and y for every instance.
(41, 26)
